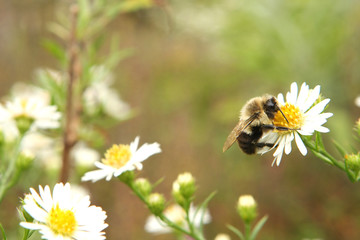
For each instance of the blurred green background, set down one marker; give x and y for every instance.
(195, 64)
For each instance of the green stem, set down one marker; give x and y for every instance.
(323, 154)
(190, 224)
(247, 231)
(10, 178)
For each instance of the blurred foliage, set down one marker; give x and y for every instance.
(194, 65)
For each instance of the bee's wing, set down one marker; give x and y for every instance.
(236, 131)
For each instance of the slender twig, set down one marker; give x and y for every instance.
(71, 118)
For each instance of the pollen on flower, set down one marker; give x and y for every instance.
(62, 221)
(293, 115)
(117, 156)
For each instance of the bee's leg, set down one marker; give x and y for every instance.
(272, 127)
(261, 145)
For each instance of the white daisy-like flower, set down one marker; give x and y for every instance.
(64, 214)
(176, 214)
(28, 109)
(44, 116)
(121, 158)
(304, 115)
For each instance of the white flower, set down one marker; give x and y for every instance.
(222, 236)
(305, 116)
(44, 116)
(64, 215)
(28, 109)
(101, 95)
(357, 101)
(121, 158)
(176, 214)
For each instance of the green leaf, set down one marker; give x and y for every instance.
(340, 149)
(258, 227)
(322, 157)
(203, 207)
(318, 141)
(3, 232)
(55, 49)
(236, 231)
(158, 182)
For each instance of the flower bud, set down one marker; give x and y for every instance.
(127, 177)
(25, 159)
(156, 203)
(179, 199)
(222, 236)
(23, 123)
(143, 186)
(186, 184)
(353, 162)
(247, 208)
(357, 126)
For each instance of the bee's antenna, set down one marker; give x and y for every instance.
(283, 115)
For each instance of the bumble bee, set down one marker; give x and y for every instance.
(256, 119)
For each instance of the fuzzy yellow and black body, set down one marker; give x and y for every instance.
(256, 119)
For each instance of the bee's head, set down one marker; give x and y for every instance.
(271, 107)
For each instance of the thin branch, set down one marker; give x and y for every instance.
(71, 115)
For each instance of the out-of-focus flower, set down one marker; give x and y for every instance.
(63, 215)
(222, 236)
(357, 101)
(29, 109)
(84, 156)
(121, 158)
(304, 115)
(176, 214)
(48, 151)
(100, 96)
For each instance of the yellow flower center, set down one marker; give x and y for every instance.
(293, 114)
(62, 221)
(117, 156)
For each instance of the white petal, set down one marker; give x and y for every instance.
(293, 93)
(32, 226)
(300, 144)
(96, 175)
(280, 99)
(303, 94)
(318, 108)
(134, 144)
(313, 96)
(277, 159)
(288, 141)
(322, 129)
(36, 212)
(145, 151)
